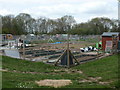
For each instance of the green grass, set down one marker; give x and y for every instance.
(23, 65)
(106, 68)
(108, 65)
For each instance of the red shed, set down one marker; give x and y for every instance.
(110, 40)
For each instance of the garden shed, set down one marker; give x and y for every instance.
(110, 41)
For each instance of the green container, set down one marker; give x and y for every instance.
(97, 45)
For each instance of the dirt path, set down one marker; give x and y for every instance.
(55, 71)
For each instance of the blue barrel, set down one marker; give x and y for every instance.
(118, 45)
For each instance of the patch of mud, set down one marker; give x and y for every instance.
(53, 83)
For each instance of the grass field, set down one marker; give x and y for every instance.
(101, 73)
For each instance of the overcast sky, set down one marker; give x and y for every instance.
(81, 10)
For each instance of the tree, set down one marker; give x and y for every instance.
(95, 26)
(24, 20)
(24, 24)
(7, 26)
(63, 24)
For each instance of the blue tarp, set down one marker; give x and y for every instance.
(56, 43)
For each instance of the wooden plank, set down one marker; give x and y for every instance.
(68, 55)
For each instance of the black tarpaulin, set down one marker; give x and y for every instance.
(64, 59)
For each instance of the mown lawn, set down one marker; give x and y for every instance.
(23, 74)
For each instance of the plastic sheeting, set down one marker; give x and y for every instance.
(12, 53)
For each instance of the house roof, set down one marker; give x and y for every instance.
(110, 33)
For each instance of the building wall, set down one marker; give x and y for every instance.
(104, 39)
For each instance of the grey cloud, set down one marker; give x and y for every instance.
(82, 10)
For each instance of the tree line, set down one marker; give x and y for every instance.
(25, 24)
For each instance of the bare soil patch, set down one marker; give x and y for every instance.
(68, 71)
(53, 83)
(3, 70)
(95, 79)
(103, 83)
(91, 79)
